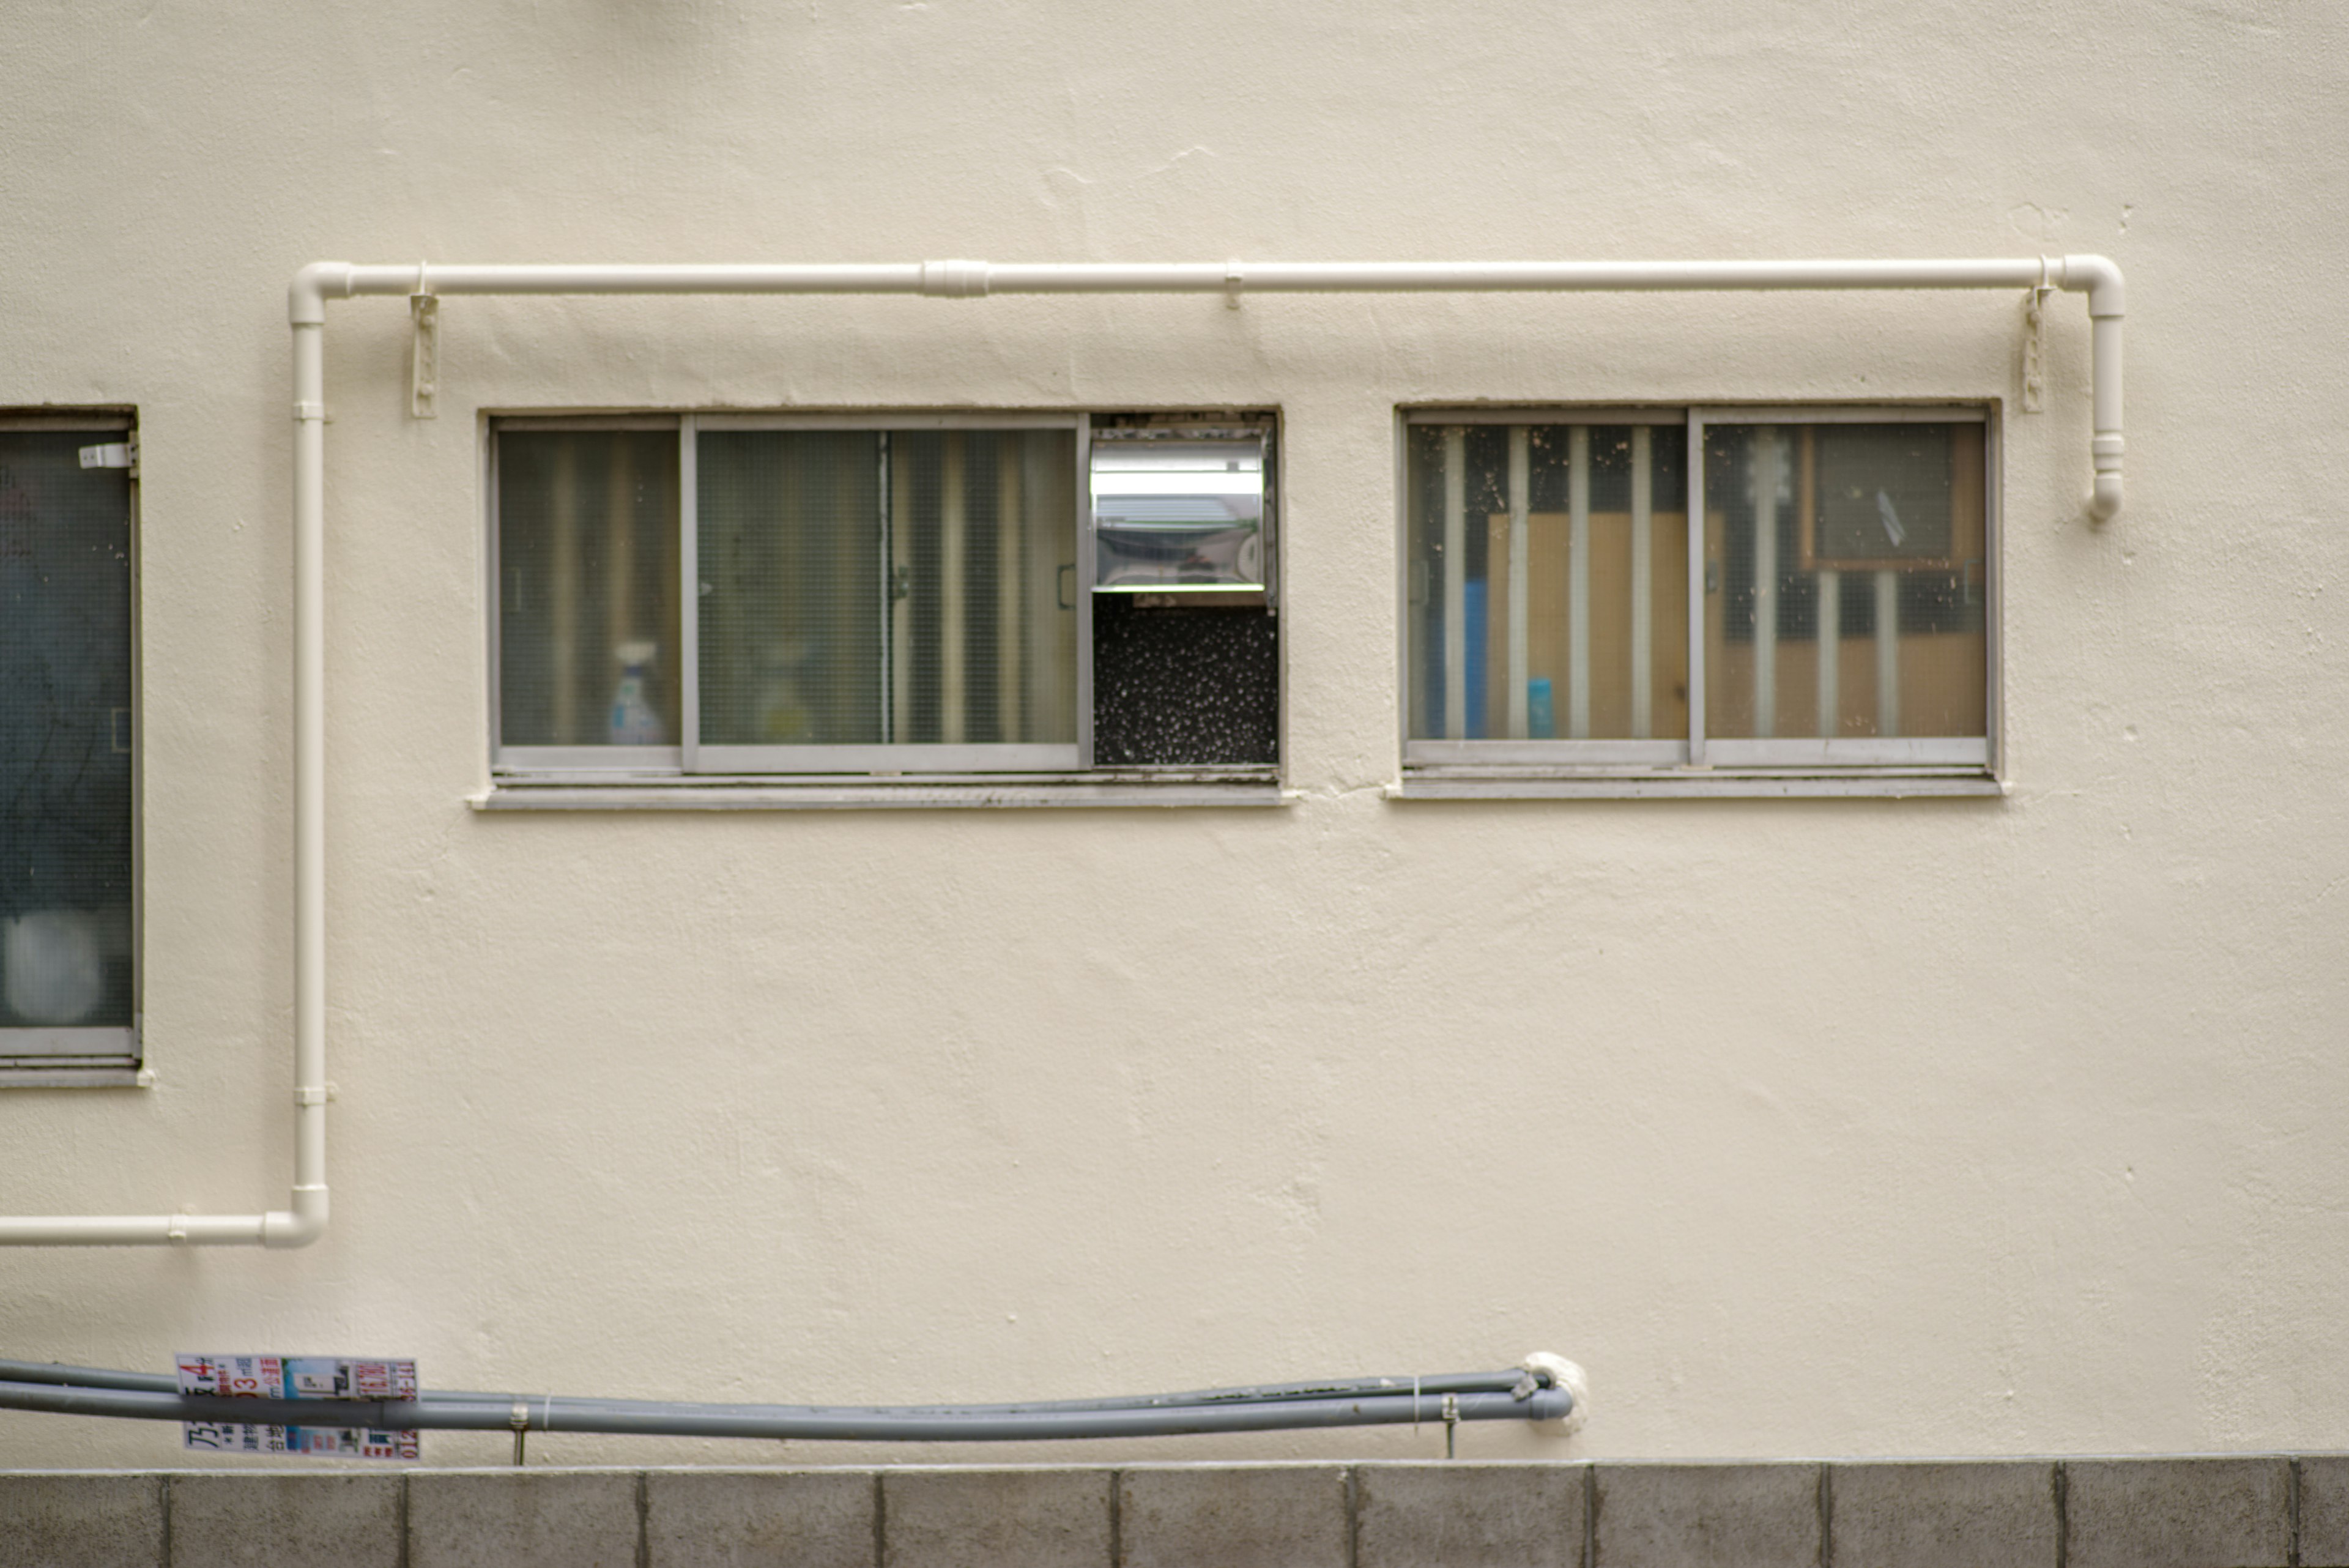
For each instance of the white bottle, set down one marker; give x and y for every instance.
(634, 723)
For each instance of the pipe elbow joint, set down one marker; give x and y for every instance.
(306, 299)
(304, 1225)
(2099, 277)
(2104, 503)
(1571, 1379)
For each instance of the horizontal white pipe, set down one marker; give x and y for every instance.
(2094, 275)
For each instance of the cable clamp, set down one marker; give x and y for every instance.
(2035, 338)
(424, 358)
(1234, 279)
(307, 410)
(314, 1094)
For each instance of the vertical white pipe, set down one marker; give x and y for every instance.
(1577, 582)
(1769, 473)
(1888, 653)
(2107, 447)
(951, 541)
(1520, 548)
(1643, 583)
(309, 792)
(1830, 646)
(1456, 586)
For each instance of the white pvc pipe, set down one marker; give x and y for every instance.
(2094, 275)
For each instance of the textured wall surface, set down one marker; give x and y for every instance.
(1871, 1127)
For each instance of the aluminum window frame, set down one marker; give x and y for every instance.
(1902, 765)
(98, 1055)
(694, 763)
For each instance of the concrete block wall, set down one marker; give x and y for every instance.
(2236, 1511)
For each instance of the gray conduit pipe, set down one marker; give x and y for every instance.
(1276, 1407)
(305, 1219)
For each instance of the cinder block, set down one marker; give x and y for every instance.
(521, 1519)
(1468, 1515)
(273, 1520)
(2177, 1513)
(1234, 1516)
(1705, 1516)
(806, 1518)
(995, 1518)
(2324, 1511)
(1985, 1514)
(67, 1520)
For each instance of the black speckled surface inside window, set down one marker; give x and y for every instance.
(1184, 687)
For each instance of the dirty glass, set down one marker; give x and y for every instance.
(588, 589)
(1845, 580)
(64, 742)
(1548, 594)
(888, 587)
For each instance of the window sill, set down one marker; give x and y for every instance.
(30, 1073)
(1692, 783)
(1132, 788)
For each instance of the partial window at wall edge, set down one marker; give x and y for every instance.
(70, 780)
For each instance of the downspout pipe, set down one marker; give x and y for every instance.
(305, 1219)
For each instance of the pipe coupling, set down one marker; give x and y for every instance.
(955, 279)
(2107, 447)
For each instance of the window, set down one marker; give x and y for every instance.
(1824, 613)
(1032, 600)
(68, 991)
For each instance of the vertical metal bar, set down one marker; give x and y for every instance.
(620, 567)
(953, 611)
(563, 617)
(1994, 715)
(1520, 549)
(1767, 473)
(1643, 582)
(1830, 646)
(689, 593)
(1577, 582)
(1088, 566)
(900, 589)
(1888, 652)
(1694, 501)
(1455, 595)
(1826, 589)
(1011, 446)
(496, 587)
(887, 624)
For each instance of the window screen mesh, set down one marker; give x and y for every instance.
(587, 601)
(888, 587)
(65, 735)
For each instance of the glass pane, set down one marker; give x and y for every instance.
(982, 623)
(791, 559)
(865, 587)
(65, 734)
(1845, 581)
(1178, 513)
(1548, 594)
(588, 604)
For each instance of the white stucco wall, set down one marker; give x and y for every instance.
(1846, 1126)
